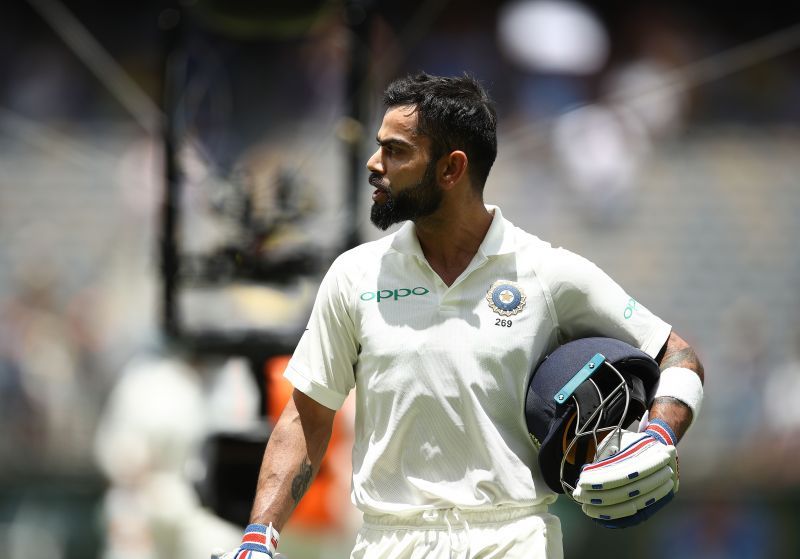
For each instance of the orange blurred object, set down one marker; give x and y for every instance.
(324, 506)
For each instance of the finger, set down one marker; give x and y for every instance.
(639, 517)
(640, 486)
(639, 460)
(629, 508)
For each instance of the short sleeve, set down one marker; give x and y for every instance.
(322, 365)
(588, 302)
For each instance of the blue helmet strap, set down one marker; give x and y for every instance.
(588, 369)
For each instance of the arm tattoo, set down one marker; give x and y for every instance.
(301, 481)
(684, 357)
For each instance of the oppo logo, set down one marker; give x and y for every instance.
(393, 294)
(631, 306)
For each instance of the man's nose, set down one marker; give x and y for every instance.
(374, 164)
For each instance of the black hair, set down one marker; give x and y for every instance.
(455, 113)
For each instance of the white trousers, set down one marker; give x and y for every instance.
(506, 532)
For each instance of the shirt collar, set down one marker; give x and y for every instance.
(499, 238)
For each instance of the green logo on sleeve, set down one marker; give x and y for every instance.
(630, 308)
(393, 294)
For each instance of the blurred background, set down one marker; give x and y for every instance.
(175, 177)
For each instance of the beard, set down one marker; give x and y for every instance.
(411, 203)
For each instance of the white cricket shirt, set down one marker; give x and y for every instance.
(440, 372)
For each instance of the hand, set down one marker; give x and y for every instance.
(258, 542)
(634, 476)
(234, 555)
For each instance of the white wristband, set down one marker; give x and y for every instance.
(684, 385)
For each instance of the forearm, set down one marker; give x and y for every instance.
(676, 353)
(291, 461)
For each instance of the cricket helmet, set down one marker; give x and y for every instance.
(580, 393)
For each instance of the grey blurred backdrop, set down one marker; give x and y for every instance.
(659, 139)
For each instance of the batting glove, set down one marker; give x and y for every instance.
(632, 480)
(258, 542)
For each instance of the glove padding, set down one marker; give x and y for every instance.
(254, 555)
(259, 542)
(631, 480)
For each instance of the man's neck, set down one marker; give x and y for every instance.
(451, 237)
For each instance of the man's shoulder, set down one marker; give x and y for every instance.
(363, 256)
(525, 241)
(369, 250)
(544, 253)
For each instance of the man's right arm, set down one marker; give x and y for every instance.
(292, 459)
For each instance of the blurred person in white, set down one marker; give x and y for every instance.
(651, 81)
(437, 327)
(557, 46)
(42, 347)
(18, 423)
(561, 47)
(154, 421)
(600, 144)
(782, 421)
(603, 148)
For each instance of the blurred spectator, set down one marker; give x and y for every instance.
(778, 442)
(602, 148)
(557, 46)
(599, 150)
(21, 426)
(648, 76)
(783, 386)
(43, 358)
(151, 429)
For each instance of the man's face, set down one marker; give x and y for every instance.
(402, 172)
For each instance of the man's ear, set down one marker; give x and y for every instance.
(452, 168)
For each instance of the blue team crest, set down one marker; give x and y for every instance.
(506, 298)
